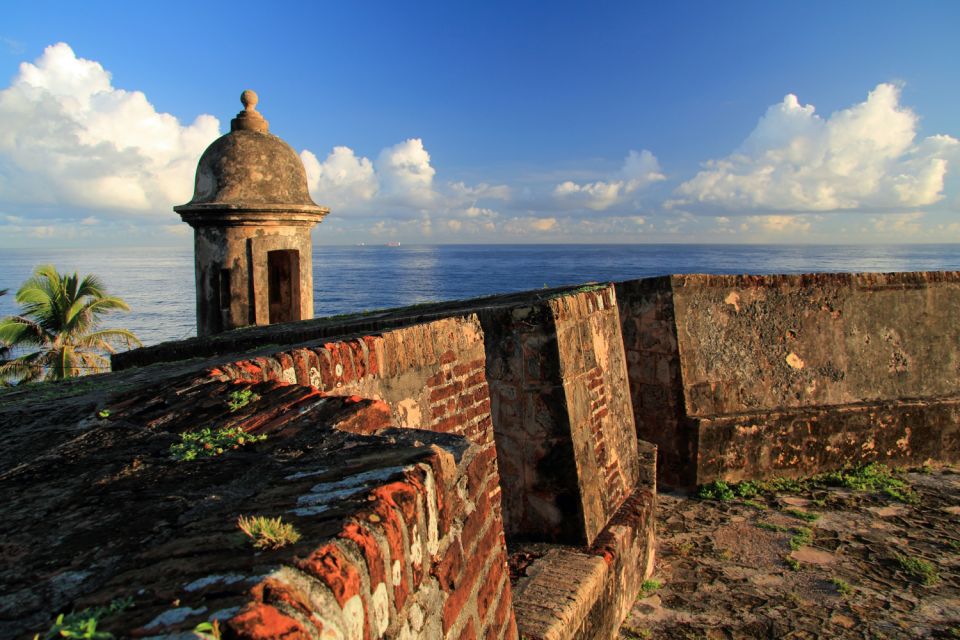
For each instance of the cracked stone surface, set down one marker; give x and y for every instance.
(725, 577)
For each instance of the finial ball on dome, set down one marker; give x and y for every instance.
(249, 100)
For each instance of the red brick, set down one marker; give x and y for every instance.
(325, 360)
(453, 608)
(328, 564)
(476, 520)
(490, 587)
(264, 622)
(359, 358)
(391, 524)
(344, 358)
(469, 631)
(398, 494)
(447, 357)
(373, 362)
(446, 391)
(475, 379)
(480, 468)
(367, 419)
(370, 549)
(285, 361)
(450, 567)
(503, 616)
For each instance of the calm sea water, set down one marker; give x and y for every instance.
(158, 282)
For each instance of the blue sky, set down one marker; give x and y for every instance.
(494, 122)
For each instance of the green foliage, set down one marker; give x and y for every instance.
(756, 505)
(207, 443)
(802, 536)
(872, 477)
(720, 490)
(649, 587)
(716, 490)
(802, 515)
(208, 630)
(57, 330)
(792, 562)
(103, 413)
(772, 527)
(83, 624)
(918, 568)
(843, 587)
(268, 533)
(241, 398)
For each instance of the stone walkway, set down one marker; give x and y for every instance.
(870, 566)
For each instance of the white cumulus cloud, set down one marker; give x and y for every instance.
(639, 170)
(406, 173)
(71, 138)
(342, 180)
(866, 156)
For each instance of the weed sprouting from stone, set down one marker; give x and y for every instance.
(756, 505)
(918, 568)
(792, 562)
(83, 624)
(208, 630)
(103, 413)
(649, 587)
(843, 587)
(241, 398)
(802, 515)
(802, 536)
(716, 490)
(268, 533)
(207, 443)
(872, 477)
(772, 527)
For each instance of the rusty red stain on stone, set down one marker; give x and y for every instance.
(398, 494)
(371, 550)
(264, 622)
(328, 564)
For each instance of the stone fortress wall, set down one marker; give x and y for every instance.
(421, 451)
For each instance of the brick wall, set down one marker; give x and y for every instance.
(427, 376)
(561, 413)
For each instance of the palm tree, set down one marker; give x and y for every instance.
(58, 328)
(4, 349)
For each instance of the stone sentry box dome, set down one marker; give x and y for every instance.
(252, 214)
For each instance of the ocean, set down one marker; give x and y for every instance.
(158, 282)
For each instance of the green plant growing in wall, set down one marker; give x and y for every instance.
(103, 413)
(872, 477)
(716, 490)
(241, 398)
(649, 587)
(83, 624)
(918, 568)
(268, 533)
(208, 630)
(843, 587)
(207, 443)
(802, 515)
(802, 536)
